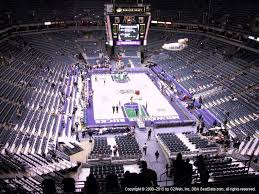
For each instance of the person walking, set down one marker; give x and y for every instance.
(157, 155)
(202, 127)
(90, 133)
(149, 134)
(200, 100)
(115, 149)
(145, 148)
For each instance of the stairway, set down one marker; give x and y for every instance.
(249, 147)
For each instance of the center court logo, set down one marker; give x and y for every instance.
(126, 91)
(161, 109)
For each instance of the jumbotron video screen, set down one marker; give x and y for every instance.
(128, 32)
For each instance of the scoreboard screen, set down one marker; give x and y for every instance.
(127, 25)
(128, 32)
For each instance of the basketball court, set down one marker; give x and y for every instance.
(137, 96)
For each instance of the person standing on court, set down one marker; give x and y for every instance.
(145, 148)
(149, 134)
(117, 109)
(157, 155)
(113, 109)
(136, 111)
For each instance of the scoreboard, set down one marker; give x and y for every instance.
(127, 25)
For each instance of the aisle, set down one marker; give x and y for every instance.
(158, 166)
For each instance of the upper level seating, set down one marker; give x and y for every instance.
(172, 142)
(235, 15)
(225, 85)
(92, 49)
(29, 11)
(58, 45)
(37, 101)
(225, 14)
(181, 11)
(127, 147)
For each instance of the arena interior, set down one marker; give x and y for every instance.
(129, 96)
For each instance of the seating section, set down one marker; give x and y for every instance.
(128, 147)
(71, 149)
(10, 164)
(199, 142)
(226, 84)
(188, 143)
(33, 184)
(101, 171)
(38, 104)
(33, 163)
(249, 147)
(228, 14)
(101, 148)
(224, 167)
(172, 142)
(55, 165)
(38, 99)
(29, 11)
(130, 56)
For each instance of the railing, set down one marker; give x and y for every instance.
(195, 174)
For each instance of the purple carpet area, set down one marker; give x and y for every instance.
(101, 70)
(170, 79)
(89, 119)
(111, 124)
(133, 105)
